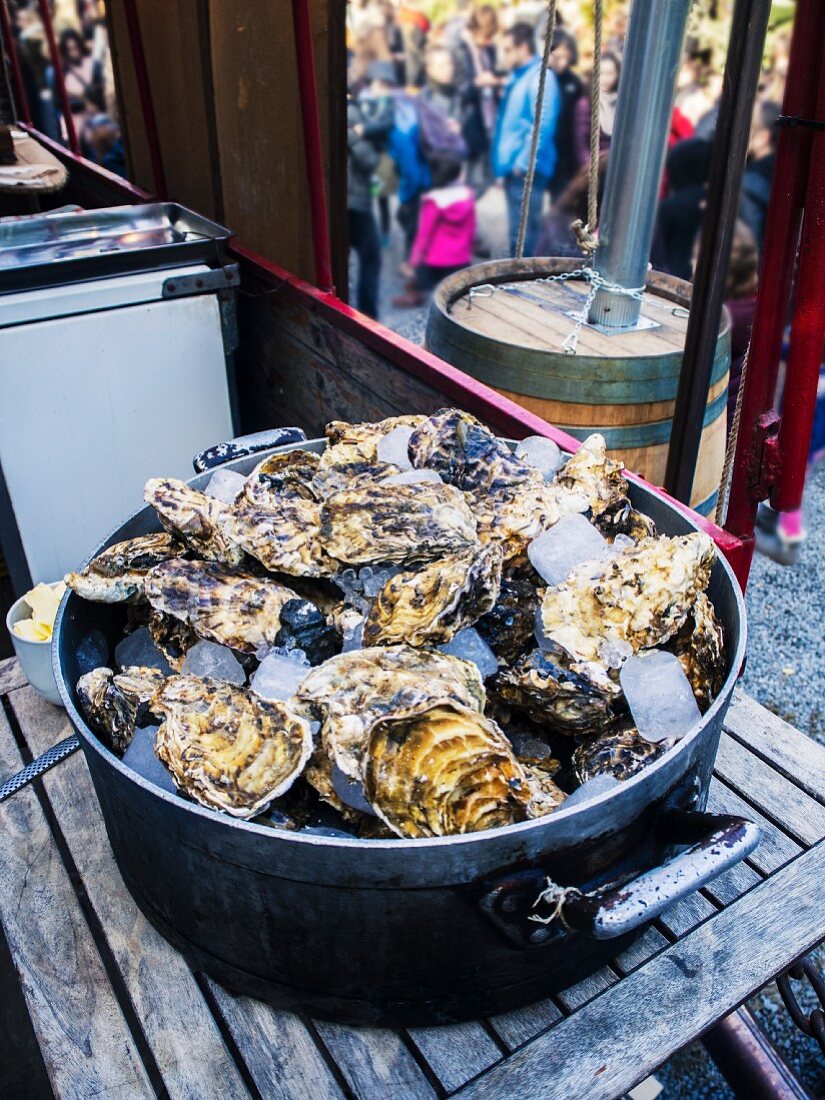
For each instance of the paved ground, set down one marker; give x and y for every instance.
(785, 672)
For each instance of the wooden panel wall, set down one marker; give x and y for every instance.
(225, 91)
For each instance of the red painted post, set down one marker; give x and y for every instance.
(776, 273)
(312, 143)
(21, 99)
(807, 330)
(147, 106)
(59, 80)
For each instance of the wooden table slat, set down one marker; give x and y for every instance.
(801, 815)
(86, 1044)
(793, 754)
(585, 990)
(617, 1039)
(456, 1053)
(774, 849)
(650, 943)
(731, 884)
(11, 676)
(686, 914)
(519, 1026)
(375, 1062)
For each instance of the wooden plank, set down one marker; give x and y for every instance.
(791, 753)
(774, 848)
(279, 1052)
(650, 943)
(375, 1062)
(456, 1053)
(573, 998)
(775, 795)
(686, 914)
(618, 1038)
(83, 1037)
(519, 1026)
(734, 882)
(11, 676)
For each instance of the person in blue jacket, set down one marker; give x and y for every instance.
(511, 143)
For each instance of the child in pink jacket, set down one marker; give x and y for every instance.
(446, 230)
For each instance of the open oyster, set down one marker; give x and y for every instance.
(442, 771)
(282, 475)
(348, 692)
(430, 606)
(117, 573)
(637, 599)
(553, 694)
(698, 645)
(396, 523)
(111, 702)
(282, 533)
(197, 519)
(618, 752)
(467, 454)
(227, 748)
(224, 605)
(601, 480)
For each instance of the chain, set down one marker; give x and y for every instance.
(527, 191)
(812, 1025)
(37, 767)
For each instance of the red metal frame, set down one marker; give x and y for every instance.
(21, 99)
(302, 28)
(59, 79)
(147, 105)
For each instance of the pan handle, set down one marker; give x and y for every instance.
(245, 445)
(531, 909)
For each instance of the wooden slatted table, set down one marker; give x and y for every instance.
(106, 1008)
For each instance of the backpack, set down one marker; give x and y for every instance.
(434, 135)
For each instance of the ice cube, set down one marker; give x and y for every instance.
(621, 543)
(140, 756)
(225, 485)
(138, 649)
(376, 578)
(350, 791)
(567, 544)
(350, 583)
(393, 447)
(353, 635)
(615, 651)
(412, 477)
(591, 788)
(659, 695)
(469, 645)
(278, 677)
(92, 652)
(216, 661)
(538, 451)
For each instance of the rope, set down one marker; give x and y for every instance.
(534, 139)
(555, 897)
(730, 450)
(595, 123)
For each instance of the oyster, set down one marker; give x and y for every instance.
(509, 626)
(348, 692)
(111, 702)
(545, 795)
(430, 606)
(553, 694)
(442, 771)
(698, 645)
(368, 434)
(617, 752)
(224, 605)
(171, 636)
(514, 515)
(117, 573)
(282, 533)
(601, 480)
(396, 523)
(282, 475)
(227, 748)
(467, 454)
(637, 599)
(198, 520)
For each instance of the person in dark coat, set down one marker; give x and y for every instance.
(363, 232)
(563, 57)
(680, 214)
(756, 184)
(609, 75)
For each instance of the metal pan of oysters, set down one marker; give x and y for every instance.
(379, 697)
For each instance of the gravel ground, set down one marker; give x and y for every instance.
(785, 672)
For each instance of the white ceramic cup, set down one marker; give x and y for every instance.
(35, 657)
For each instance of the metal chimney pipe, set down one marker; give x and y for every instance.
(650, 66)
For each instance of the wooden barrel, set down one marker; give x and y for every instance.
(621, 384)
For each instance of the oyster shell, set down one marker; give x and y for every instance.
(111, 702)
(509, 626)
(699, 647)
(345, 463)
(442, 771)
(467, 454)
(553, 694)
(227, 748)
(117, 573)
(430, 606)
(171, 636)
(282, 533)
(396, 523)
(198, 520)
(514, 515)
(640, 598)
(545, 795)
(224, 605)
(348, 692)
(282, 475)
(601, 480)
(339, 431)
(617, 752)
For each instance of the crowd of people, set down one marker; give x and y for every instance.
(440, 110)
